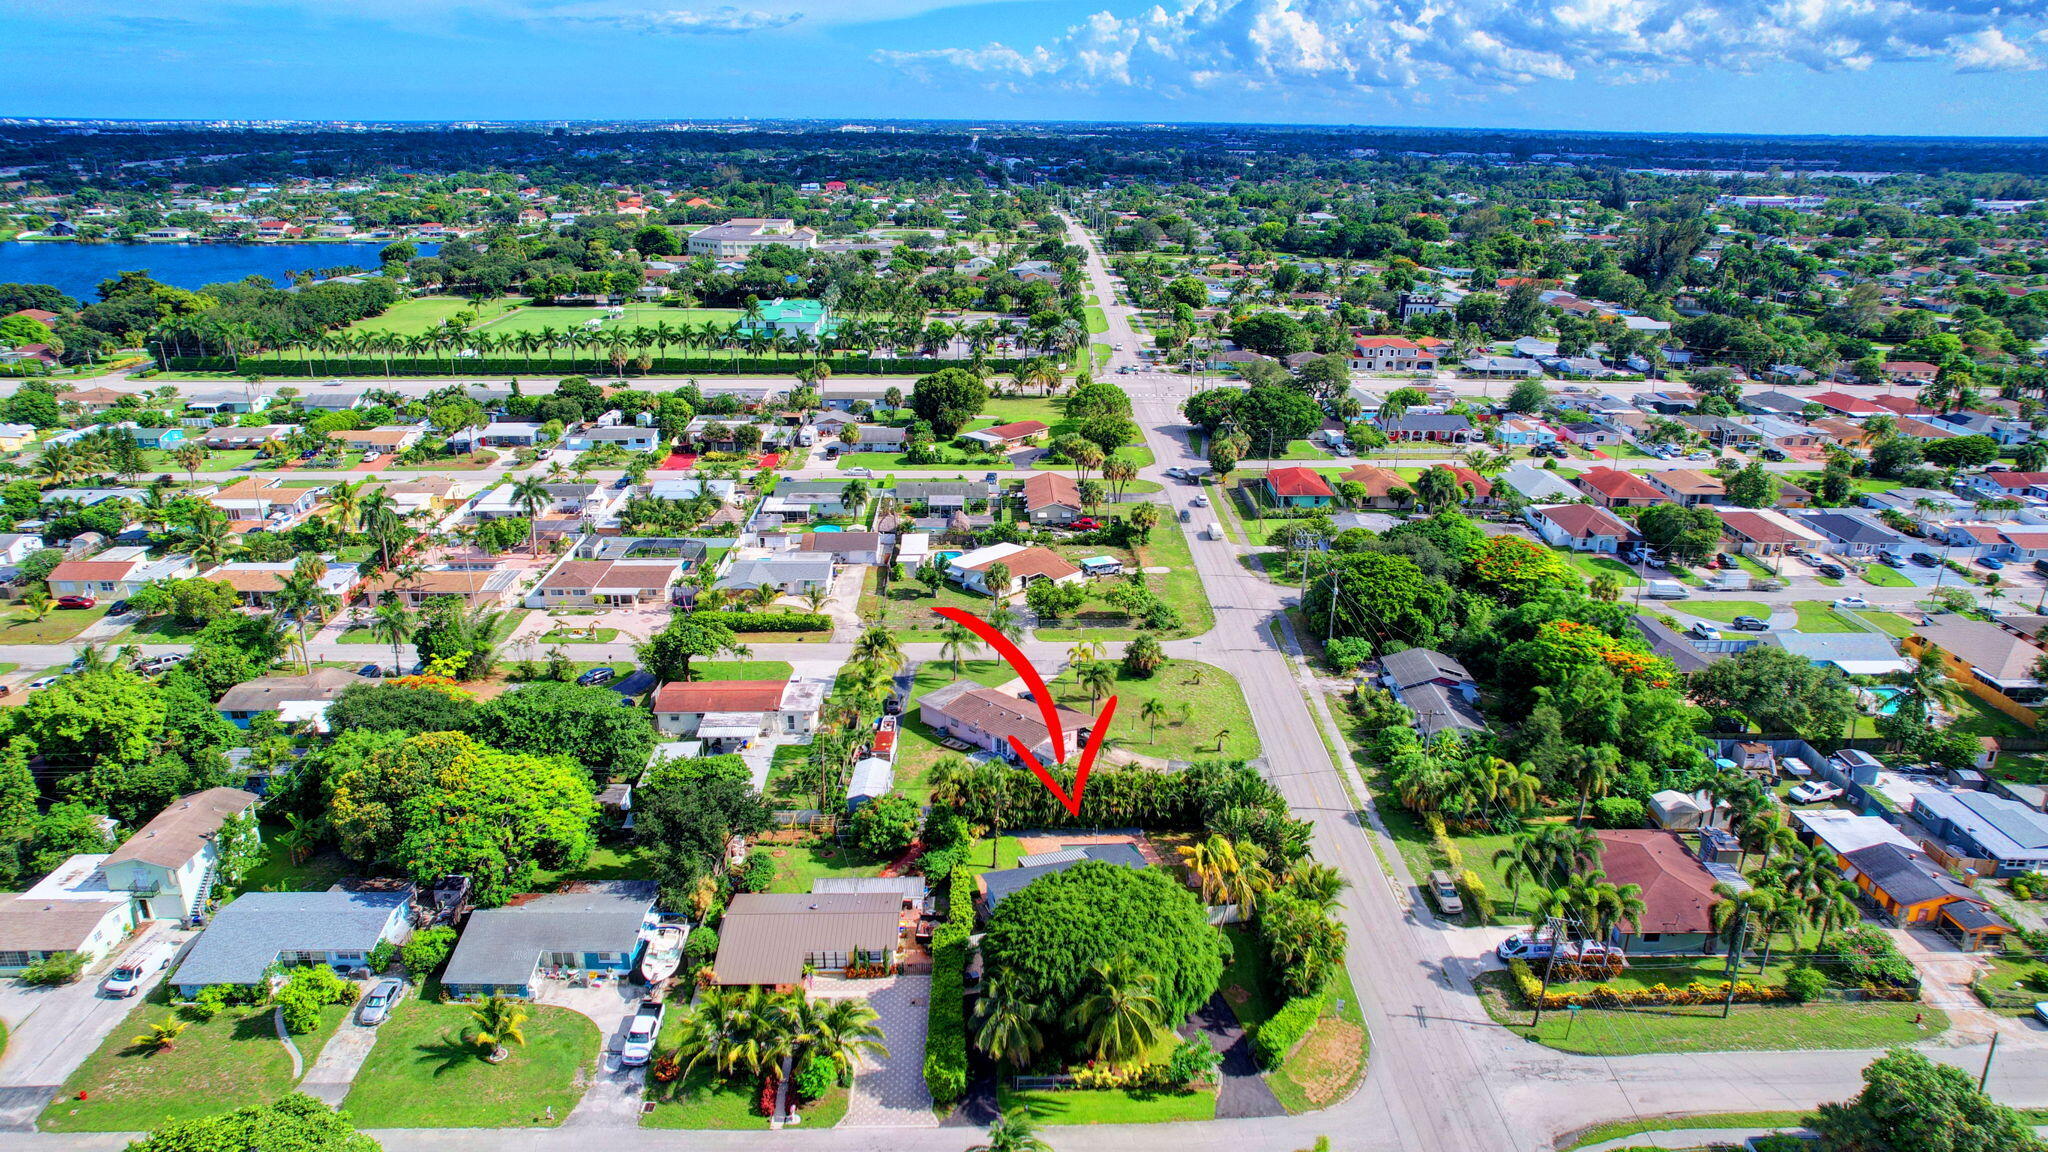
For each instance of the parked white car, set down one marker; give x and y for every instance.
(135, 969)
(1852, 602)
(641, 1034)
(1813, 792)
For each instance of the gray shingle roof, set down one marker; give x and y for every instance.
(1412, 666)
(503, 945)
(1001, 885)
(246, 936)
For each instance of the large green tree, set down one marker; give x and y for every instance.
(585, 724)
(1778, 691)
(1045, 942)
(1911, 1104)
(667, 655)
(947, 400)
(1687, 533)
(378, 707)
(293, 1123)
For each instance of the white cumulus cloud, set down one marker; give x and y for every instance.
(722, 21)
(1322, 48)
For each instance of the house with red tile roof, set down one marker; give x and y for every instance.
(1677, 890)
(989, 718)
(1614, 488)
(1579, 527)
(1051, 498)
(729, 714)
(1380, 485)
(1014, 435)
(1845, 404)
(1299, 488)
(1391, 354)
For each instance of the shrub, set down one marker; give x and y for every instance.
(1804, 984)
(307, 991)
(1869, 957)
(1618, 812)
(770, 621)
(1279, 1034)
(54, 969)
(1193, 1062)
(382, 955)
(700, 947)
(945, 1048)
(208, 1002)
(1440, 839)
(428, 949)
(2031, 885)
(814, 1078)
(1478, 901)
(755, 875)
(885, 826)
(1346, 653)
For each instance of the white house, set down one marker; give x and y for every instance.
(70, 910)
(168, 865)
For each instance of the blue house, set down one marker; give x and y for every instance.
(259, 931)
(595, 931)
(1299, 488)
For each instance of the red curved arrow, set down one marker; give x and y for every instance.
(1047, 711)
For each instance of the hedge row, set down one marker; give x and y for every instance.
(1530, 990)
(770, 621)
(282, 366)
(1273, 1040)
(945, 1045)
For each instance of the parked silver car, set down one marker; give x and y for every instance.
(377, 1004)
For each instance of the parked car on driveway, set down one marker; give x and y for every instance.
(642, 1033)
(1991, 562)
(1085, 524)
(1830, 570)
(1813, 792)
(369, 672)
(135, 969)
(1524, 946)
(1444, 890)
(597, 676)
(1929, 560)
(377, 1004)
(76, 602)
(1749, 624)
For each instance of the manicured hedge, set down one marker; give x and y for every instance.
(1284, 1029)
(945, 1045)
(436, 365)
(770, 621)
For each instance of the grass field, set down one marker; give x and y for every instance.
(1597, 566)
(1110, 1106)
(532, 319)
(1890, 623)
(1616, 1129)
(1723, 611)
(1886, 576)
(423, 1074)
(18, 626)
(1205, 713)
(417, 317)
(1700, 1028)
(797, 865)
(228, 1062)
(1819, 616)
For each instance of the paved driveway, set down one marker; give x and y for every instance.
(52, 1030)
(613, 1099)
(890, 1092)
(336, 1065)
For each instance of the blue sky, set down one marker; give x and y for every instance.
(1969, 67)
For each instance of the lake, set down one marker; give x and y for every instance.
(77, 269)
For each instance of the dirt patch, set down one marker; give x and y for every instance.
(1237, 995)
(1328, 1060)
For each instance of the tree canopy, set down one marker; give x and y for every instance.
(1911, 1104)
(585, 724)
(292, 1123)
(947, 400)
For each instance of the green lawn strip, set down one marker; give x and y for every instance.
(741, 669)
(1005, 854)
(162, 630)
(1330, 1059)
(1098, 323)
(1109, 1106)
(917, 746)
(228, 1062)
(1819, 616)
(1886, 576)
(1202, 704)
(797, 865)
(1616, 1129)
(576, 635)
(1723, 611)
(2017, 981)
(276, 871)
(423, 1074)
(908, 607)
(1700, 1028)
(19, 626)
(1597, 566)
(417, 317)
(605, 863)
(1246, 983)
(1754, 567)
(1891, 623)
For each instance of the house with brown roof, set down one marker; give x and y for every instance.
(1051, 498)
(72, 910)
(605, 583)
(1026, 565)
(266, 499)
(1688, 486)
(1580, 527)
(989, 718)
(1380, 487)
(293, 698)
(168, 864)
(257, 583)
(1677, 891)
(733, 713)
(1761, 532)
(777, 938)
(1846, 433)
(395, 438)
(117, 572)
(1989, 662)
(845, 547)
(1004, 437)
(1614, 488)
(96, 399)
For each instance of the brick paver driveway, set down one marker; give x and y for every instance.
(890, 1092)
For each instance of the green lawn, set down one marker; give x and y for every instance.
(1110, 1106)
(741, 669)
(906, 608)
(1891, 623)
(1699, 1028)
(2018, 980)
(1820, 616)
(417, 317)
(702, 1099)
(1205, 712)
(608, 862)
(917, 747)
(278, 872)
(18, 626)
(533, 319)
(1886, 576)
(1098, 322)
(422, 1074)
(1330, 1058)
(797, 865)
(1723, 611)
(1180, 586)
(1597, 566)
(981, 858)
(1616, 1129)
(1246, 985)
(572, 634)
(229, 1062)
(162, 630)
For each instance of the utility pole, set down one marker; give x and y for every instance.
(1988, 1054)
(1556, 929)
(1734, 961)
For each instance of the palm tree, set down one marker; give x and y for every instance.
(1005, 620)
(878, 646)
(494, 1024)
(958, 641)
(37, 601)
(949, 781)
(1151, 712)
(1009, 1026)
(816, 597)
(392, 622)
(1098, 678)
(1121, 1017)
(1013, 1131)
(532, 495)
(189, 457)
(841, 1032)
(1596, 770)
(162, 1035)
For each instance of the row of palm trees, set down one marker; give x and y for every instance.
(601, 349)
(753, 1031)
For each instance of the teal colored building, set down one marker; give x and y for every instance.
(806, 317)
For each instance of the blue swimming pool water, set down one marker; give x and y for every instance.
(1887, 698)
(826, 528)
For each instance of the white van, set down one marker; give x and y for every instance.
(132, 971)
(1213, 532)
(1667, 590)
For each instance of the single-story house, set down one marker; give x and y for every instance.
(1436, 688)
(595, 929)
(1855, 653)
(168, 864)
(1025, 564)
(1688, 486)
(1012, 435)
(1986, 826)
(257, 583)
(630, 439)
(1591, 434)
(736, 712)
(270, 500)
(164, 438)
(989, 718)
(1298, 488)
(1051, 498)
(291, 697)
(1677, 891)
(396, 438)
(774, 938)
(1579, 527)
(846, 547)
(1761, 532)
(233, 437)
(1994, 664)
(992, 888)
(1851, 534)
(1521, 431)
(1501, 367)
(259, 931)
(792, 572)
(605, 583)
(1434, 427)
(1913, 889)
(1383, 487)
(1536, 485)
(117, 573)
(71, 910)
(1615, 488)
(472, 587)
(942, 495)
(15, 437)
